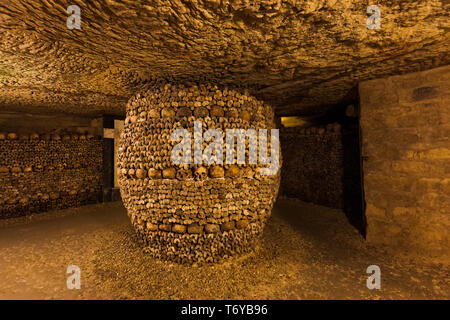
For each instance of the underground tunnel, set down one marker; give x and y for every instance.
(273, 144)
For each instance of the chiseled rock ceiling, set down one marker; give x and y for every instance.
(302, 57)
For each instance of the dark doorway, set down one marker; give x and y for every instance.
(353, 187)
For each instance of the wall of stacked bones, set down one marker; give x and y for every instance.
(313, 164)
(39, 172)
(192, 213)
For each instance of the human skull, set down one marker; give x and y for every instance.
(200, 173)
(183, 174)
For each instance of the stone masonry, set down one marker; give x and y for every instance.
(405, 123)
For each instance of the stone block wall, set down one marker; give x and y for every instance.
(313, 164)
(405, 127)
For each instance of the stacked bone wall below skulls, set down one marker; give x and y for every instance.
(44, 172)
(193, 213)
(313, 169)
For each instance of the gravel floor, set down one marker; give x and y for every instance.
(307, 252)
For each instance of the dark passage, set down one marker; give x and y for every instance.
(352, 178)
(322, 162)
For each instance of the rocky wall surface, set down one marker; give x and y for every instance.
(313, 164)
(300, 56)
(405, 123)
(193, 212)
(44, 172)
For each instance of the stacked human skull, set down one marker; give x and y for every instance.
(40, 172)
(193, 212)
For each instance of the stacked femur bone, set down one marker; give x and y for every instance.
(185, 205)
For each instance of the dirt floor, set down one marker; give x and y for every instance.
(307, 252)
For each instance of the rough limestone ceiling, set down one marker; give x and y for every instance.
(299, 56)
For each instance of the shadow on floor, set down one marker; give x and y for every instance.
(318, 223)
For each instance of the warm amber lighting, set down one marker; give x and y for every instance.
(293, 122)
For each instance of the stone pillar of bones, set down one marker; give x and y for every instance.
(197, 212)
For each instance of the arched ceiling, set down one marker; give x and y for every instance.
(300, 56)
